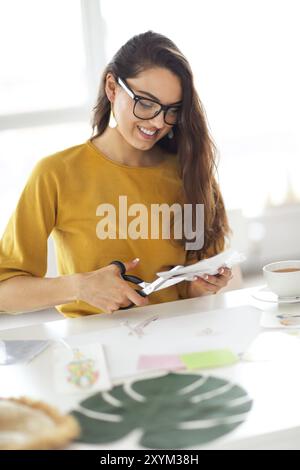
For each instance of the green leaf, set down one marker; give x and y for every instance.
(172, 411)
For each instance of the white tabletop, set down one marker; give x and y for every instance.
(274, 385)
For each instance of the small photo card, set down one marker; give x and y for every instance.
(81, 368)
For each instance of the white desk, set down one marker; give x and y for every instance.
(274, 386)
(29, 318)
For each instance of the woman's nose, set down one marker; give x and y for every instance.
(158, 121)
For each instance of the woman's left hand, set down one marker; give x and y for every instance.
(209, 284)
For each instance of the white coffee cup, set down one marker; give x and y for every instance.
(283, 278)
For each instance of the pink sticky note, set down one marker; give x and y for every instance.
(161, 361)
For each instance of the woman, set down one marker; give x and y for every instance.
(150, 146)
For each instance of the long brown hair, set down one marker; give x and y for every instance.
(191, 142)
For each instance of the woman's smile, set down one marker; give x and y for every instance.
(148, 134)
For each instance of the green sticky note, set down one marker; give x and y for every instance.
(209, 359)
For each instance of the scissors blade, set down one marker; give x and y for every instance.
(170, 282)
(151, 287)
(161, 283)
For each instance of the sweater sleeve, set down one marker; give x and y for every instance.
(23, 247)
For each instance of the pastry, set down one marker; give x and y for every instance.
(28, 424)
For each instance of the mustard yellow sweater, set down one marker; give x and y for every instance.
(62, 198)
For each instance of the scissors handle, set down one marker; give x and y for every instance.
(129, 278)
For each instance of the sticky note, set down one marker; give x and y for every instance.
(209, 359)
(160, 361)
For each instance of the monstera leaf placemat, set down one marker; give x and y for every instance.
(173, 411)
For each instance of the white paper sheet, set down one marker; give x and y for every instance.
(233, 329)
(274, 346)
(228, 258)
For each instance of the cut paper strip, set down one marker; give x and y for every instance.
(209, 359)
(161, 361)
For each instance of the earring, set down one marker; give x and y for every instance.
(112, 120)
(171, 134)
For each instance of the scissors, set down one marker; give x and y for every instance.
(147, 287)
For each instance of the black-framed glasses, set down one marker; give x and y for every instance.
(147, 108)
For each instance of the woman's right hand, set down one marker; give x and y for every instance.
(106, 289)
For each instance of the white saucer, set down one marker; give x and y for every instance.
(265, 295)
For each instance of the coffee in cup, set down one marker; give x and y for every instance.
(283, 278)
(286, 270)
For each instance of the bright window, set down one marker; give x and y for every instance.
(42, 55)
(43, 75)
